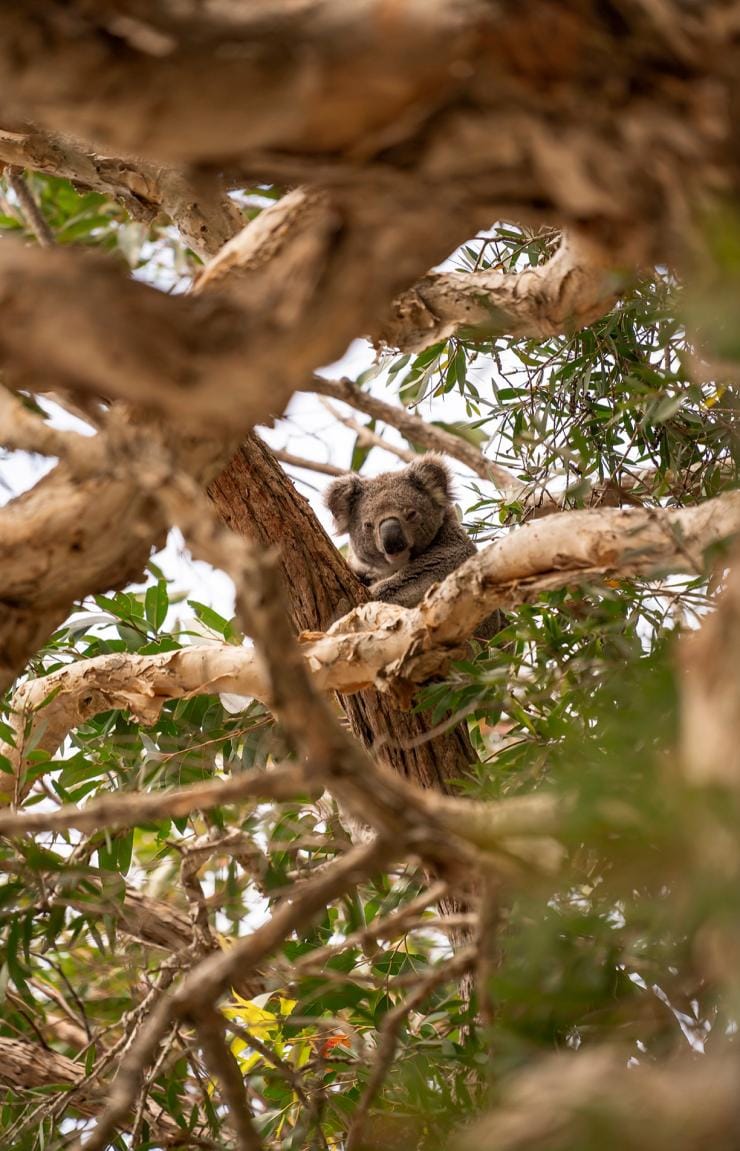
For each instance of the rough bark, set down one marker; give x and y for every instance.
(78, 322)
(27, 1066)
(307, 276)
(254, 496)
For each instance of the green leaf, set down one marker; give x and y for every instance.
(360, 452)
(210, 617)
(156, 603)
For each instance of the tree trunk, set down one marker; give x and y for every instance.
(254, 497)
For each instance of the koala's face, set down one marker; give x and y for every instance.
(393, 517)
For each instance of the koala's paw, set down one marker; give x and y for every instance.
(379, 589)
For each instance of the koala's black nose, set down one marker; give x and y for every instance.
(391, 536)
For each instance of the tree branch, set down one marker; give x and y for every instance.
(30, 209)
(389, 1034)
(174, 353)
(403, 98)
(385, 643)
(129, 809)
(710, 690)
(210, 1026)
(22, 430)
(575, 287)
(204, 215)
(418, 431)
(307, 465)
(27, 1066)
(182, 353)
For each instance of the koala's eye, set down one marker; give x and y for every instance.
(412, 514)
(367, 525)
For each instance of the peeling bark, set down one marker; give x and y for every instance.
(380, 643)
(574, 288)
(203, 214)
(308, 275)
(305, 276)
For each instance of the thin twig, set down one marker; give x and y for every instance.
(418, 431)
(127, 809)
(307, 465)
(30, 209)
(213, 975)
(283, 1069)
(487, 945)
(389, 1032)
(223, 1066)
(366, 437)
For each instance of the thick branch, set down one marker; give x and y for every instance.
(258, 76)
(295, 263)
(198, 358)
(710, 710)
(22, 430)
(204, 215)
(574, 288)
(300, 277)
(384, 643)
(501, 102)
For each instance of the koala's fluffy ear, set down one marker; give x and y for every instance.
(431, 473)
(340, 498)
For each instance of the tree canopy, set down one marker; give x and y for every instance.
(294, 868)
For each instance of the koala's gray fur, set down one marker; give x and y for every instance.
(403, 529)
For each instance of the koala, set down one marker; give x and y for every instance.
(403, 529)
